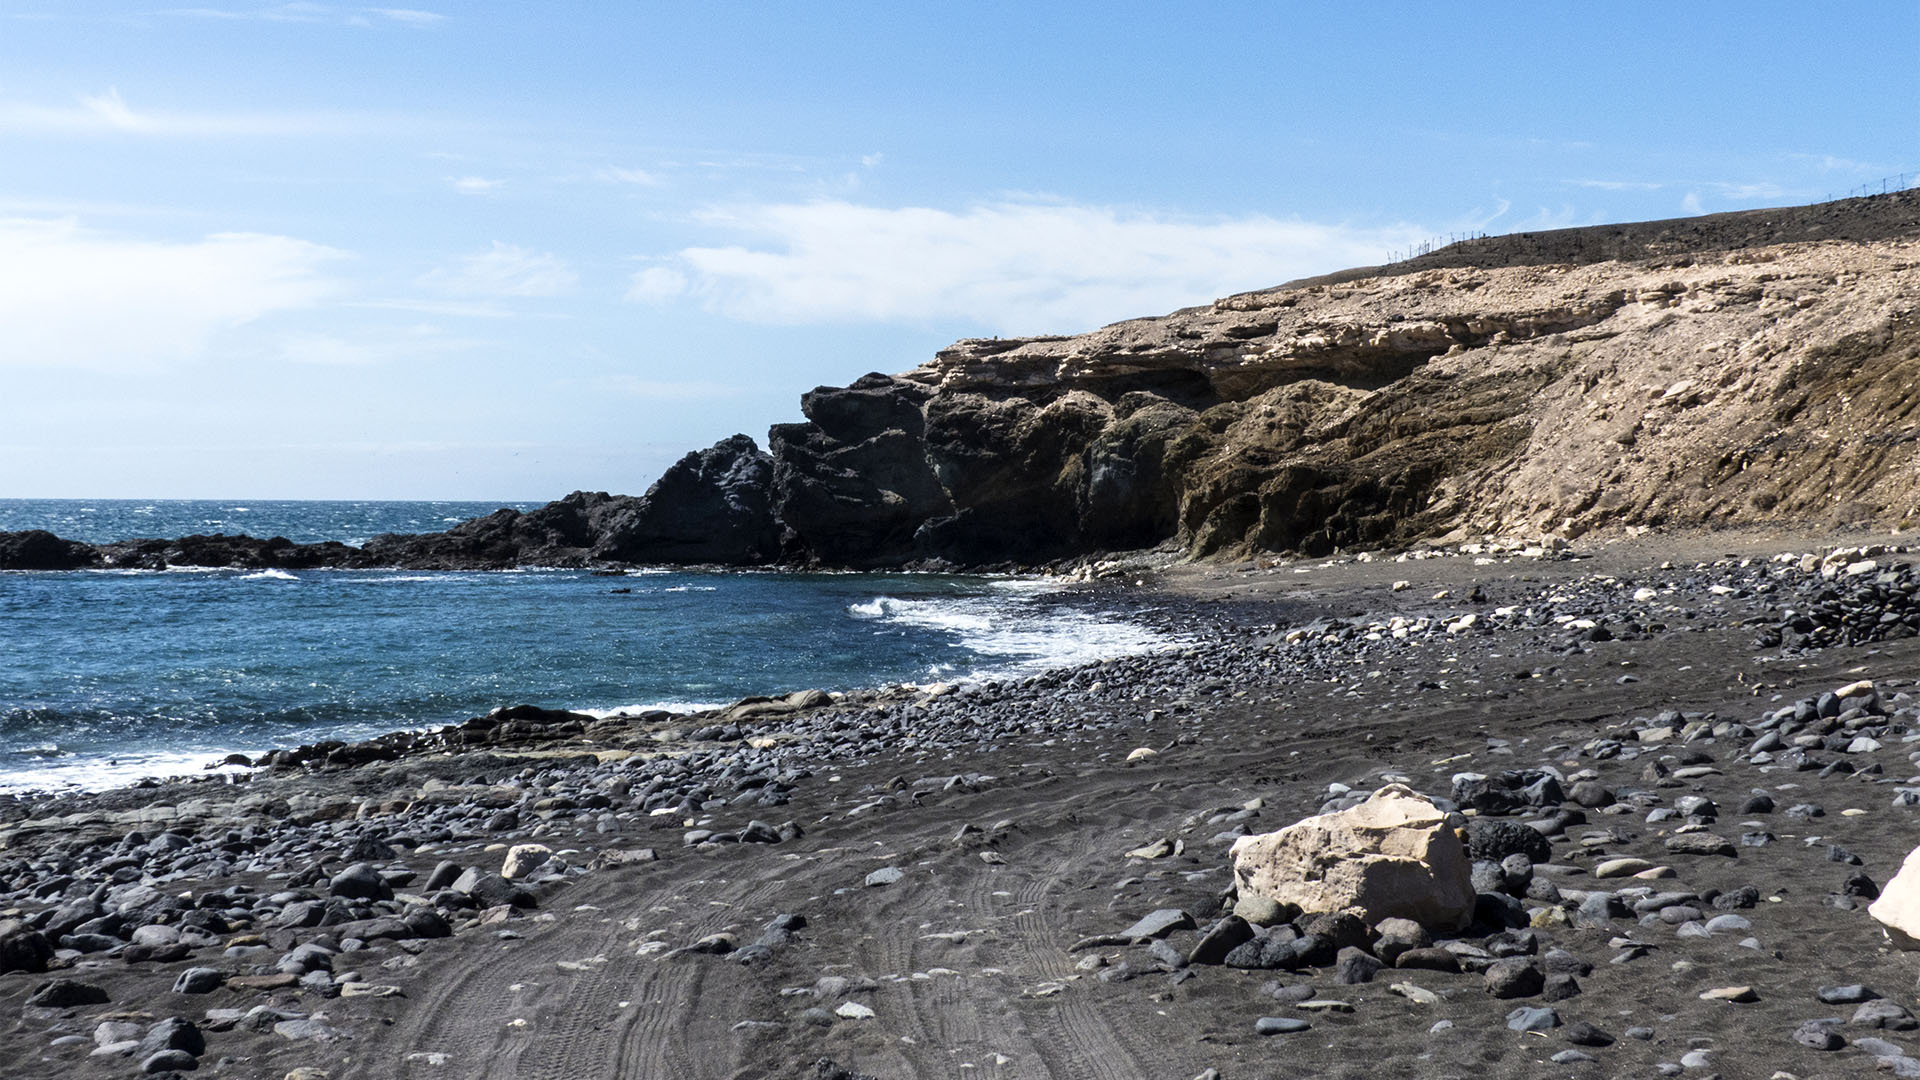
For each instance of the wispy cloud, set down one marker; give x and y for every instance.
(1015, 266)
(109, 113)
(72, 297)
(1748, 192)
(442, 308)
(1737, 195)
(476, 185)
(633, 386)
(628, 176)
(505, 271)
(1616, 185)
(369, 350)
(410, 16)
(316, 14)
(1830, 163)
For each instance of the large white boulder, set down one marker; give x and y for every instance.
(1898, 909)
(1397, 855)
(524, 859)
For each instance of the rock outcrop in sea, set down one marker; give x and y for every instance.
(1725, 370)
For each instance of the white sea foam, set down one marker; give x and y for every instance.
(668, 706)
(92, 773)
(1012, 635)
(269, 575)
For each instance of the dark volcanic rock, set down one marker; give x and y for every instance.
(23, 948)
(1493, 839)
(66, 994)
(714, 506)
(37, 549)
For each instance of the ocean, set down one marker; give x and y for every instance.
(107, 677)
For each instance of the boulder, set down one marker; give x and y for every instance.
(524, 859)
(1396, 855)
(22, 948)
(1898, 909)
(712, 506)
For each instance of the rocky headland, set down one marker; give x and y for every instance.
(1756, 368)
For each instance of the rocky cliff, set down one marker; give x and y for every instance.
(1720, 377)
(1723, 370)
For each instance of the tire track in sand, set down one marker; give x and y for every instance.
(464, 1005)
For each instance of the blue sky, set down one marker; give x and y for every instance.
(506, 250)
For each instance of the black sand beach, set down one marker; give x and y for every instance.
(894, 884)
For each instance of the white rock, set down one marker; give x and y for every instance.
(853, 1010)
(1898, 908)
(523, 859)
(1394, 855)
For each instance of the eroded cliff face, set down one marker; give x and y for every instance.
(1775, 383)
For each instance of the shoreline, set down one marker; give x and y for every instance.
(220, 765)
(1109, 575)
(943, 851)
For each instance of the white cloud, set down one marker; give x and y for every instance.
(441, 308)
(108, 113)
(410, 16)
(505, 270)
(1746, 192)
(313, 13)
(1616, 185)
(320, 350)
(70, 297)
(1830, 163)
(1015, 266)
(657, 285)
(367, 350)
(476, 185)
(664, 389)
(629, 176)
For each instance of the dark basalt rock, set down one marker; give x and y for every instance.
(37, 549)
(713, 506)
(23, 948)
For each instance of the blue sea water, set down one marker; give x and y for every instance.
(99, 521)
(109, 676)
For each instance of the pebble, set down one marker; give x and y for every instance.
(1582, 1033)
(1417, 995)
(1158, 924)
(1514, 978)
(1850, 994)
(1818, 1035)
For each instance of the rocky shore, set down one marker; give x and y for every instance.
(1683, 770)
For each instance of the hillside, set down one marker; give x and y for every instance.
(1717, 382)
